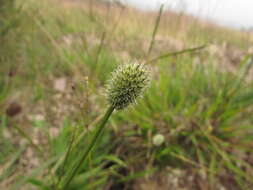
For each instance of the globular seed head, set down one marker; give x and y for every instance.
(127, 83)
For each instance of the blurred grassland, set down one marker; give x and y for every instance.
(55, 58)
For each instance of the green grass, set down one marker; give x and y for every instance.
(192, 106)
(203, 111)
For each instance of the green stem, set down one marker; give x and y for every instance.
(189, 50)
(66, 157)
(87, 151)
(28, 138)
(157, 22)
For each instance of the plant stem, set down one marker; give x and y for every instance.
(66, 157)
(87, 151)
(157, 22)
(189, 50)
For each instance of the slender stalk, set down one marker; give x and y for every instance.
(66, 157)
(102, 41)
(87, 151)
(189, 50)
(155, 30)
(28, 138)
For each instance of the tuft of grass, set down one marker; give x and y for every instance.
(192, 106)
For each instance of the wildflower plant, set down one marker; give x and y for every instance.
(127, 83)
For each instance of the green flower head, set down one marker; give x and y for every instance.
(127, 83)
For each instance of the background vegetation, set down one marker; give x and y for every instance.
(55, 58)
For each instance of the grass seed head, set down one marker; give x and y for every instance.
(127, 83)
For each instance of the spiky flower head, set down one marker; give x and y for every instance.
(127, 83)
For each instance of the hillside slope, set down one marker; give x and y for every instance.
(56, 57)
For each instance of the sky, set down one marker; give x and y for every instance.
(233, 13)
